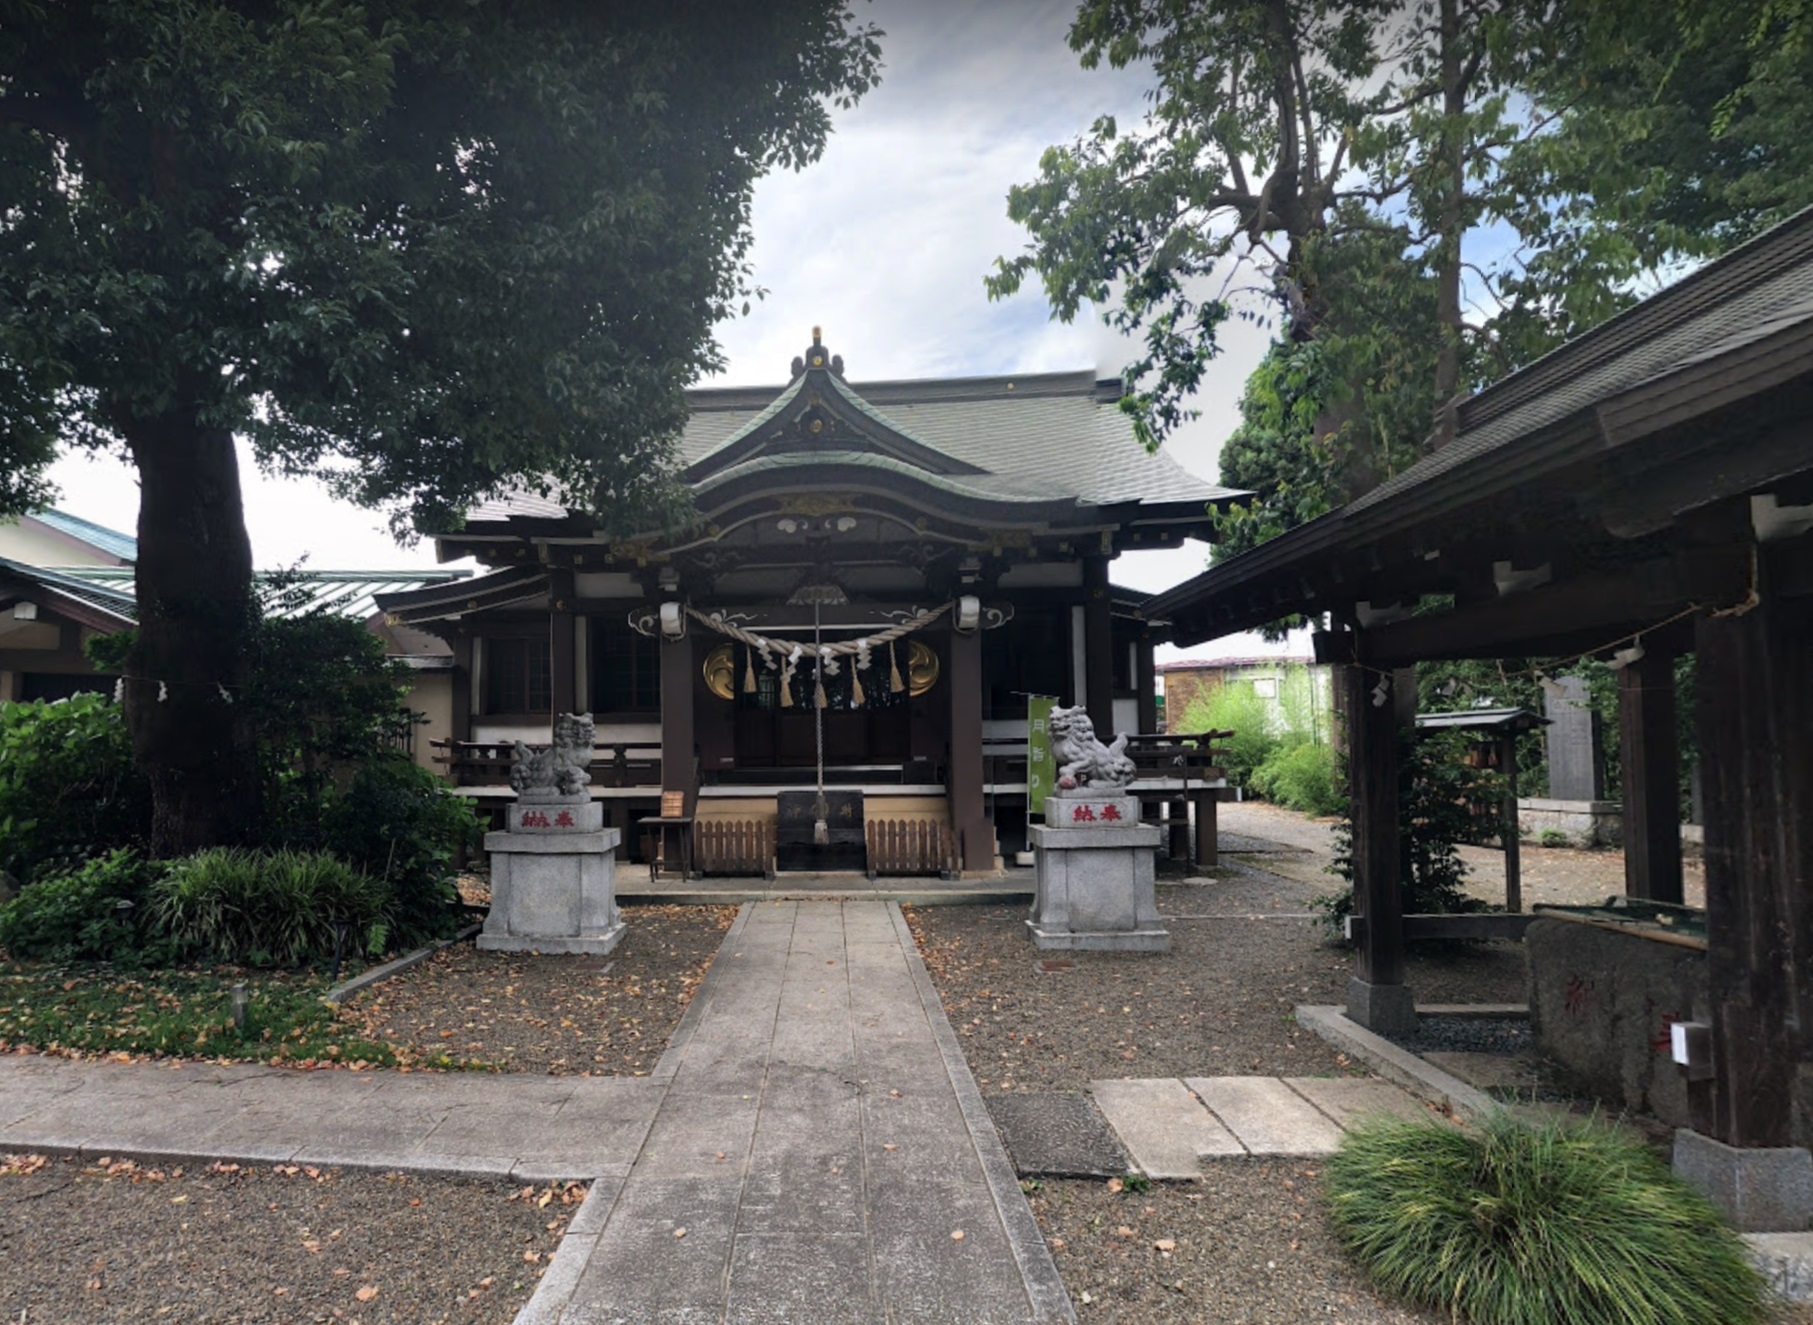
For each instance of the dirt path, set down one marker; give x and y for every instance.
(1555, 875)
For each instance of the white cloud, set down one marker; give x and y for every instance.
(884, 242)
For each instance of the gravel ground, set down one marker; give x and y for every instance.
(1554, 875)
(1244, 952)
(560, 1015)
(109, 1242)
(1250, 1243)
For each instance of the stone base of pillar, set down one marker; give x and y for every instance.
(1382, 1009)
(1760, 1190)
(553, 892)
(1095, 886)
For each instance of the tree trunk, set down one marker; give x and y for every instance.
(1453, 186)
(186, 674)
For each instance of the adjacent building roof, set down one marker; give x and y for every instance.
(1219, 664)
(110, 589)
(97, 605)
(110, 541)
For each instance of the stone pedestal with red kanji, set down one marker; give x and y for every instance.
(1094, 868)
(553, 879)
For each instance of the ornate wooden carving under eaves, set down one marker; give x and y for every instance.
(816, 503)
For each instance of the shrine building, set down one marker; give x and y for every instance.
(877, 577)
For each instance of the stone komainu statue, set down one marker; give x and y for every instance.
(563, 769)
(1084, 763)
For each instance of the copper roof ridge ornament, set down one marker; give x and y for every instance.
(815, 357)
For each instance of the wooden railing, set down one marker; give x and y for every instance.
(734, 846)
(1177, 755)
(487, 763)
(911, 846)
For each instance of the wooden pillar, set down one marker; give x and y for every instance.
(1513, 841)
(1177, 844)
(1377, 996)
(562, 653)
(460, 728)
(1652, 802)
(1753, 713)
(1145, 684)
(1098, 647)
(1208, 829)
(969, 817)
(677, 746)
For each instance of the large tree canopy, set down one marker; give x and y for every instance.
(1431, 194)
(426, 248)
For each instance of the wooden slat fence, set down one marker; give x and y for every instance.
(735, 846)
(911, 846)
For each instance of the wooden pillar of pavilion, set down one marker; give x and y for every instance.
(969, 817)
(562, 654)
(1145, 684)
(1098, 647)
(1377, 996)
(464, 700)
(1650, 749)
(677, 743)
(1753, 714)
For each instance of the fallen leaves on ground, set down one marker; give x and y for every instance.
(562, 1015)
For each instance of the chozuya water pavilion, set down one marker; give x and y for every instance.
(879, 575)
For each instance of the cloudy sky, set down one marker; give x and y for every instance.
(884, 243)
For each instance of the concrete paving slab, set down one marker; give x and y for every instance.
(1350, 1100)
(1058, 1133)
(785, 1278)
(1397, 1065)
(815, 1045)
(1267, 1116)
(1163, 1125)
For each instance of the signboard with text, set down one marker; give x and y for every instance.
(1041, 768)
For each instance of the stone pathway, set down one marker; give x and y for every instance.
(822, 1153)
(1169, 1125)
(532, 1129)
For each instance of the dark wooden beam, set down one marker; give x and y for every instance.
(562, 653)
(1473, 925)
(1377, 995)
(1597, 607)
(969, 812)
(1753, 712)
(460, 727)
(1651, 761)
(1098, 646)
(1145, 684)
(677, 744)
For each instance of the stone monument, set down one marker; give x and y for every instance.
(553, 872)
(1093, 860)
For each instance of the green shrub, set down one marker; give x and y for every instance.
(268, 908)
(1553, 837)
(1301, 777)
(1233, 706)
(68, 790)
(1436, 790)
(399, 823)
(95, 913)
(1521, 1224)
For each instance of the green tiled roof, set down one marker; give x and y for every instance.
(1046, 435)
(1038, 438)
(110, 541)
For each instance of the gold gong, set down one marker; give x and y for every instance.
(922, 668)
(721, 671)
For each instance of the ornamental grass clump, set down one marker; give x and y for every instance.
(269, 908)
(1515, 1223)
